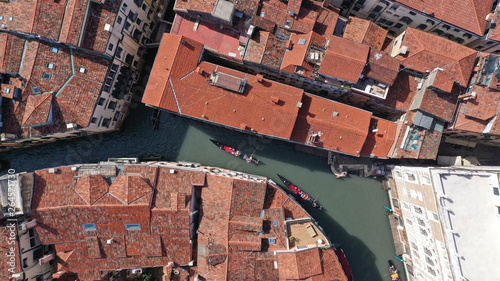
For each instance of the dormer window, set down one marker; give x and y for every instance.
(89, 227)
(54, 50)
(287, 23)
(132, 226)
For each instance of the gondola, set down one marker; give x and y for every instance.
(235, 152)
(393, 272)
(304, 196)
(344, 263)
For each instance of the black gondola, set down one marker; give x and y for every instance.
(304, 196)
(235, 152)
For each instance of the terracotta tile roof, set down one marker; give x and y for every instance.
(465, 123)
(177, 94)
(163, 234)
(339, 127)
(256, 47)
(468, 14)
(246, 223)
(294, 6)
(23, 13)
(382, 67)
(38, 110)
(299, 265)
(326, 21)
(75, 94)
(365, 32)
(344, 59)
(275, 49)
(379, 142)
(91, 188)
(296, 54)
(128, 189)
(225, 249)
(440, 104)
(10, 53)
(402, 92)
(443, 81)
(95, 37)
(427, 52)
(62, 21)
(484, 106)
(294, 60)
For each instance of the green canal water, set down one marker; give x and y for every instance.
(353, 215)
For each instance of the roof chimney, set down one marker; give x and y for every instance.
(289, 45)
(199, 70)
(403, 50)
(259, 77)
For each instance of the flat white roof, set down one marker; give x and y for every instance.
(471, 209)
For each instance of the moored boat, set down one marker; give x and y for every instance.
(235, 152)
(344, 263)
(304, 196)
(393, 272)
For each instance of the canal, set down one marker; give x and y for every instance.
(353, 214)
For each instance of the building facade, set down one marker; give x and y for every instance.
(443, 211)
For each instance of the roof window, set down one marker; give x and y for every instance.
(36, 90)
(82, 70)
(132, 226)
(50, 65)
(302, 41)
(47, 76)
(54, 50)
(89, 227)
(11, 18)
(1, 17)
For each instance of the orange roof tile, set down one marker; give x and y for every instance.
(467, 14)
(296, 55)
(111, 246)
(38, 110)
(470, 124)
(382, 67)
(91, 188)
(299, 265)
(294, 6)
(380, 139)
(443, 81)
(344, 59)
(130, 188)
(365, 32)
(339, 127)
(484, 106)
(426, 52)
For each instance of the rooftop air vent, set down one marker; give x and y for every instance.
(403, 50)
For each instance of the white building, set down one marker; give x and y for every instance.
(451, 219)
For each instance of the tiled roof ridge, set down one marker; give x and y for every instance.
(476, 16)
(32, 19)
(26, 118)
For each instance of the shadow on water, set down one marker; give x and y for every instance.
(135, 139)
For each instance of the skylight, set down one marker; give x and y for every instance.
(302, 41)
